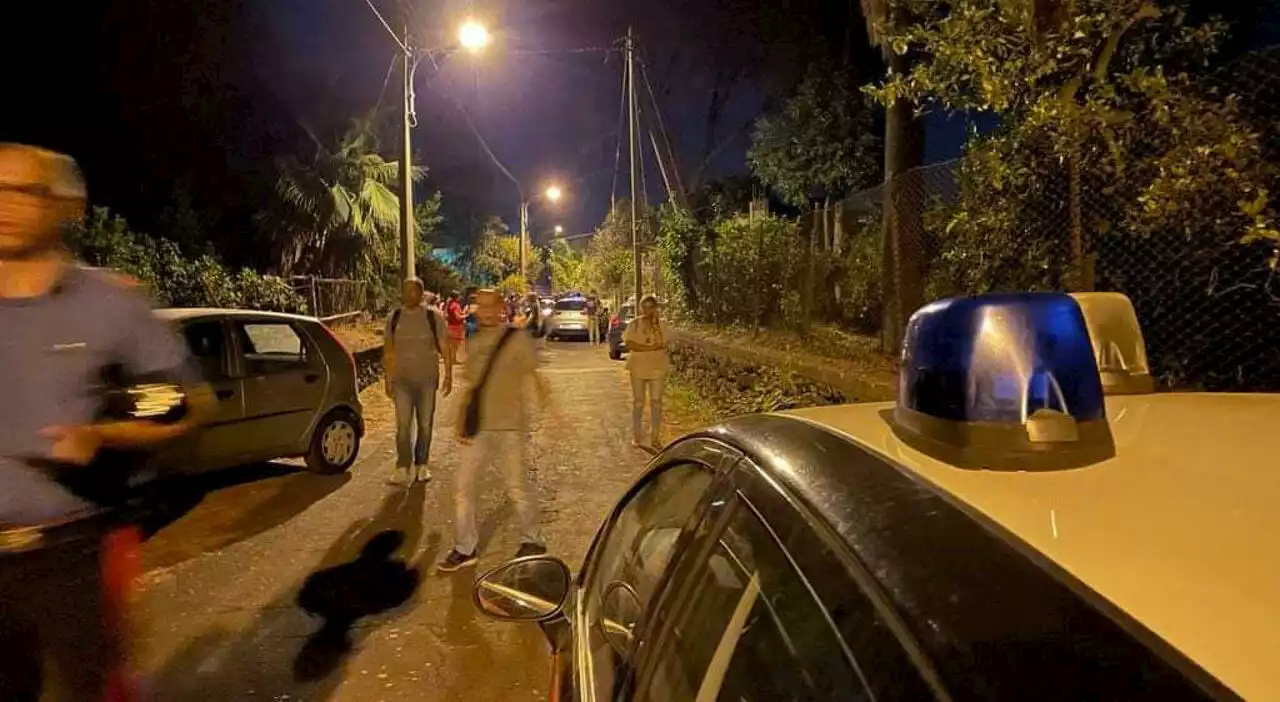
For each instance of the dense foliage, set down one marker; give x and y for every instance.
(172, 276)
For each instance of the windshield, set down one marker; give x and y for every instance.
(572, 305)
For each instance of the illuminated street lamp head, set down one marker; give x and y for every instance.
(559, 229)
(554, 193)
(473, 36)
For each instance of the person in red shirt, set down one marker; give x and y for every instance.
(455, 318)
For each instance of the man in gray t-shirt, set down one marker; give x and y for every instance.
(415, 344)
(63, 328)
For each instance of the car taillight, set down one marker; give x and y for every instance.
(351, 358)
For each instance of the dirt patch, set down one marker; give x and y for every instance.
(361, 334)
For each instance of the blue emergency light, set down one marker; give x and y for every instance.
(1002, 381)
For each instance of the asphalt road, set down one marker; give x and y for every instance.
(261, 591)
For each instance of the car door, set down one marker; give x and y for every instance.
(628, 565)
(284, 383)
(216, 443)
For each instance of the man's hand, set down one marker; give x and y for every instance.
(387, 388)
(447, 387)
(77, 445)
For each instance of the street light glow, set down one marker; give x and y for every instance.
(473, 36)
(559, 229)
(554, 193)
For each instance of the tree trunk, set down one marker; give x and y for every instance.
(837, 246)
(903, 203)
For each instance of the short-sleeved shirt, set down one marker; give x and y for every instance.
(647, 365)
(504, 396)
(53, 351)
(418, 343)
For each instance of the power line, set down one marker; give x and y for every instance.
(617, 151)
(479, 137)
(387, 79)
(386, 26)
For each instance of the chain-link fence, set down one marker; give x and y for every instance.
(332, 297)
(1175, 208)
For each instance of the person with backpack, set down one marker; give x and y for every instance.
(501, 370)
(416, 345)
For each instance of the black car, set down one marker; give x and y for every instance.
(846, 553)
(618, 325)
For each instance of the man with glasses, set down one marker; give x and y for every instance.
(66, 335)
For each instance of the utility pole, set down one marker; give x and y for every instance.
(407, 254)
(524, 235)
(631, 128)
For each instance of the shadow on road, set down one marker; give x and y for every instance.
(366, 579)
(206, 513)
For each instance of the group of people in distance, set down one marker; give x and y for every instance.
(424, 339)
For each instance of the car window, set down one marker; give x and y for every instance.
(630, 561)
(271, 346)
(207, 343)
(751, 629)
(572, 305)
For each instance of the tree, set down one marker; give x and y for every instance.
(336, 206)
(1108, 89)
(820, 145)
(569, 269)
(495, 255)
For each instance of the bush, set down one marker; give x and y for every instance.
(173, 278)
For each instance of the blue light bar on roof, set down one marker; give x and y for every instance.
(1001, 375)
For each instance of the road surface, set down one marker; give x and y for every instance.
(260, 591)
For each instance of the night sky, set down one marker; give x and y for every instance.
(190, 102)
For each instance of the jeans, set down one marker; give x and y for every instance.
(654, 387)
(506, 449)
(56, 606)
(415, 400)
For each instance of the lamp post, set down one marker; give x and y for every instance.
(473, 37)
(553, 193)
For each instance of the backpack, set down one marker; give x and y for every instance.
(431, 321)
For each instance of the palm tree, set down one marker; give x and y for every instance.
(340, 212)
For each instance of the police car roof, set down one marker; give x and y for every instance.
(173, 314)
(1178, 529)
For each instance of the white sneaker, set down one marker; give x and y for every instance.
(400, 477)
(423, 473)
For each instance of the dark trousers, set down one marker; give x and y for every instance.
(55, 610)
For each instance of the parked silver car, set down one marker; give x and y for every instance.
(284, 385)
(568, 318)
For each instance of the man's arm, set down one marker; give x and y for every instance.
(172, 398)
(444, 344)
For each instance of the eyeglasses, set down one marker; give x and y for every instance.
(32, 191)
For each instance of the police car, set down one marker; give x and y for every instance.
(1027, 522)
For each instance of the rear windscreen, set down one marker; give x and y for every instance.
(575, 305)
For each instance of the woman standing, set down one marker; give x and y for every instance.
(455, 319)
(646, 341)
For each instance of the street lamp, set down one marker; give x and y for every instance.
(553, 193)
(473, 36)
(559, 230)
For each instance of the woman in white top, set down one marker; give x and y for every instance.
(646, 340)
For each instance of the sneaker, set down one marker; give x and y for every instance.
(400, 477)
(454, 560)
(530, 548)
(423, 473)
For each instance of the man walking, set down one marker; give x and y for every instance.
(62, 588)
(500, 372)
(415, 346)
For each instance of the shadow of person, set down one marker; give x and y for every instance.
(379, 579)
(375, 582)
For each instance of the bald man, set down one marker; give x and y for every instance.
(65, 329)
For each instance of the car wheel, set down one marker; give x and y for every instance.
(335, 443)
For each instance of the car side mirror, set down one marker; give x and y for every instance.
(530, 589)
